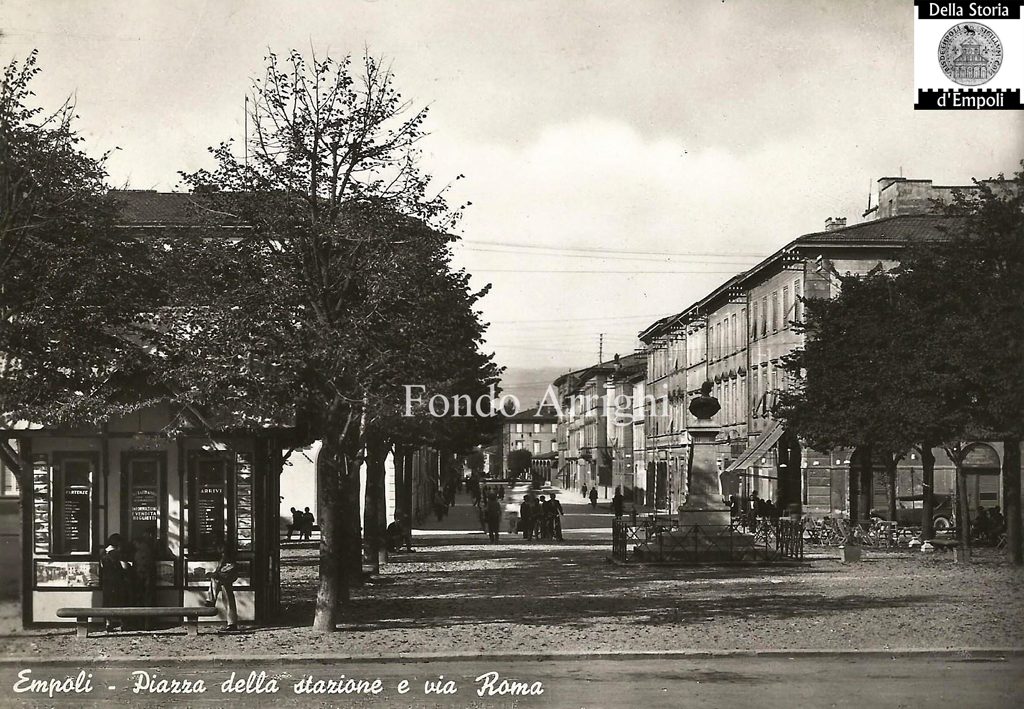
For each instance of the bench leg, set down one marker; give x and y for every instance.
(82, 627)
(192, 625)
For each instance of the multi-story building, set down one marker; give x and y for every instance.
(589, 446)
(736, 338)
(535, 430)
(620, 399)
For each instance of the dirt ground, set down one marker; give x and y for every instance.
(467, 598)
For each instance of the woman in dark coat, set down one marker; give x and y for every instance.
(113, 577)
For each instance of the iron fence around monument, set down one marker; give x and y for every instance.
(663, 542)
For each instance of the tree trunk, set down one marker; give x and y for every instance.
(794, 468)
(1011, 500)
(854, 484)
(782, 493)
(788, 474)
(352, 550)
(891, 461)
(376, 505)
(399, 460)
(407, 511)
(867, 479)
(333, 588)
(963, 513)
(928, 488)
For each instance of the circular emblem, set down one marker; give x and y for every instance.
(970, 53)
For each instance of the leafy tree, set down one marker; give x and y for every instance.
(475, 461)
(73, 284)
(519, 462)
(849, 381)
(358, 291)
(968, 296)
(932, 350)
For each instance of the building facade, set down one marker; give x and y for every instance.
(736, 338)
(534, 430)
(595, 425)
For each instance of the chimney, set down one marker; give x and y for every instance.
(833, 223)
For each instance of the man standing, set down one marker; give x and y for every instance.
(306, 530)
(526, 515)
(113, 578)
(558, 512)
(617, 501)
(493, 513)
(545, 511)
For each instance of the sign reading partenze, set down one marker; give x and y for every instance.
(968, 55)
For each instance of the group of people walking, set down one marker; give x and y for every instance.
(592, 496)
(303, 523)
(541, 517)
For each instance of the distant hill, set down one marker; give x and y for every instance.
(528, 384)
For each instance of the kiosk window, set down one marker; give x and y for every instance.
(144, 495)
(209, 504)
(72, 506)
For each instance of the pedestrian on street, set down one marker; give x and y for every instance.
(593, 497)
(583, 491)
(493, 518)
(113, 578)
(395, 534)
(440, 508)
(527, 513)
(548, 509)
(296, 525)
(221, 582)
(557, 521)
(308, 520)
(617, 501)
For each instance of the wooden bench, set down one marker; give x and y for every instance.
(190, 614)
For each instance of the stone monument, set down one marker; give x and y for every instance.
(704, 505)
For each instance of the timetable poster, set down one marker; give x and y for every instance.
(210, 519)
(243, 500)
(41, 505)
(77, 508)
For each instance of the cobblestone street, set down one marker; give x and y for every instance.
(459, 595)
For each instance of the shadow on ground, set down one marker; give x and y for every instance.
(571, 585)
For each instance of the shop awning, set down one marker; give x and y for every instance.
(759, 447)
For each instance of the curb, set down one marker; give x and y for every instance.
(972, 653)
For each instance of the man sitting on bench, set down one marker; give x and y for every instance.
(221, 581)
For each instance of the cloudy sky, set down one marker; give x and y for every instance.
(622, 157)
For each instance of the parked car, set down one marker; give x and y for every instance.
(910, 507)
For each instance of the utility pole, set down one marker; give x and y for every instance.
(245, 130)
(600, 347)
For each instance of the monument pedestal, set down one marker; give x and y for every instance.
(704, 505)
(705, 534)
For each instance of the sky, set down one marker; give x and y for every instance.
(623, 158)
